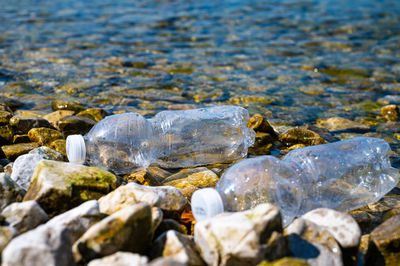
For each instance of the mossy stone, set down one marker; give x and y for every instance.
(4, 117)
(287, 261)
(59, 186)
(44, 135)
(23, 123)
(59, 145)
(298, 135)
(21, 138)
(13, 151)
(75, 125)
(56, 116)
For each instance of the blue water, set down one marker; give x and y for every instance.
(294, 61)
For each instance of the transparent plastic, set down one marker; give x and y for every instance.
(172, 139)
(344, 175)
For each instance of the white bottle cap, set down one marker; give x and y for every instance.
(76, 149)
(206, 203)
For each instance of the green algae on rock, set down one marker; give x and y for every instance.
(75, 125)
(44, 135)
(23, 123)
(59, 186)
(298, 135)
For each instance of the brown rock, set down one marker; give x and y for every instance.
(4, 117)
(56, 116)
(6, 135)
(44, 135)
(298, 135)
(59, 145)
(75, 125)
(23, 123)
(95, 113)
(13, 151)
(260, 124)
(65, 105)
(390, 112)
(339, 123)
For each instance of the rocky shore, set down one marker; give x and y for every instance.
(57, 213)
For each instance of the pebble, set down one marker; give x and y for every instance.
(44, 135)
(121, 258)
(299, 135)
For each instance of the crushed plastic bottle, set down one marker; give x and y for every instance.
(344, 175)
(172, 139)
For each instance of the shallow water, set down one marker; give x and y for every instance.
(293, 61)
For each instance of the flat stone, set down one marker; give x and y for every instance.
(126, 195)
(96, 113)
(341, 225)
(9, 191)
(75, 125)
(24, 216)
(171, 198)
(390, 112)
(66, 105)
(298, 135)
(115, 233)
(79, 219)
(287, 261)
(120, 259)
(177, 246)
(339, 123)
(44, 135)
(384, 247)
(23, 123)
(312, 243)
(238, 238)
(162, 261)
(60, 186)
(189, 180)
(13, 151)
(44, 245)
(56, 116)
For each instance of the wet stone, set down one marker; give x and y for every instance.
(59, 145)
(56, 116)
(44, 135)
(75, 125)
(96, 114)
(390, 112)
(169, 224)
(6, 234)
(65, 105)
(262, 144)
(287, 261)
(6, 135)
(189, 180)
(115, 233)
(4, 117)
(301, 136)
(21, 138)
(339, 124)
(23, 123)
(59, 186)
(260, 124)
(13, 151)
(384, 247)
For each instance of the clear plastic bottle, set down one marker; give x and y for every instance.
(344, 175)
(172, 139)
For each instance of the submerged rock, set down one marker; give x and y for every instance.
(390, 112)
(96, 114)
(301, 136)
(75, 125)
(242, 238)
(23, 123)
(59, 186)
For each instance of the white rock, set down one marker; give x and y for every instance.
(24, 216)
(44, 245)
(163, 261)
(156, 217)
(243, 237)
(171, 198)
(177, 246)
(23, 169)
(126, 195)
(341, 225)
(79, 219)
(9, 191)
(121, 259)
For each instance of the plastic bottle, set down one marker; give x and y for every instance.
(344, 175)
(172, 139)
